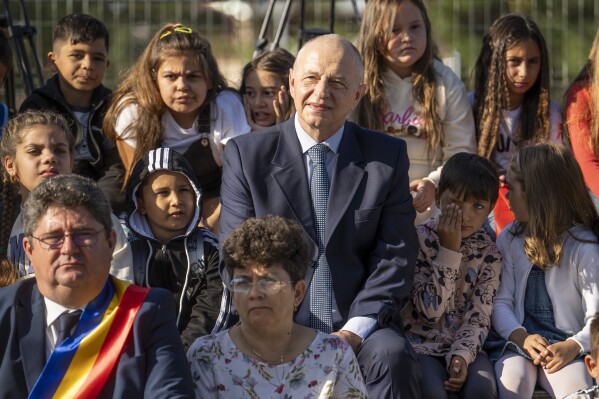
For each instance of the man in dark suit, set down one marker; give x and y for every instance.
(72, 328)
(363, 239)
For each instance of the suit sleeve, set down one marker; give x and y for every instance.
(235, 195)
(167, 371)
(391, 262)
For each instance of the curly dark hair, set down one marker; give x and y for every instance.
(268, 241)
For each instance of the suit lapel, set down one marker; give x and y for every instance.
(31, 327)
(347, 176)
(289, 171)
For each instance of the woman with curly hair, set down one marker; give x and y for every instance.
(267, 354)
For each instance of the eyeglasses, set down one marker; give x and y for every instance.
(85, 238)
(242, 285)
(178, 28)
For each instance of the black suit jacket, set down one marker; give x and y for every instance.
(153, 363)
(371, 243)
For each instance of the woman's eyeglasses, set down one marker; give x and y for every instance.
(52, 241)
(242, 285)
(178, 28)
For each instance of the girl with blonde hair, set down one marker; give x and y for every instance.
(176, 97)
(411, 94)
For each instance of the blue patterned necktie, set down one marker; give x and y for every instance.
(321, 287)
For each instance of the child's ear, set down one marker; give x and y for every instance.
(591, 366)
(52, 59)
(141, 207)
(9, 165)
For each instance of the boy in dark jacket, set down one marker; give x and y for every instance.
(169, 249)
(80, 57)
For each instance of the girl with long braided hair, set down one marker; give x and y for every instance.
(512, 108)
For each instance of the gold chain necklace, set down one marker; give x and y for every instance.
(281, 358)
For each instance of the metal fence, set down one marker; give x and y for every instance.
(233, 26)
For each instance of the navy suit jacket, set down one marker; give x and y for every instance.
(370, 240)
(152, 365)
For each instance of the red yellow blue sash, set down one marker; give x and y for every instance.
(80, 366)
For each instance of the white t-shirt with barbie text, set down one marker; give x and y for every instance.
(403, 119)
(227, 120)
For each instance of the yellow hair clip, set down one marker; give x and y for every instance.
(177, 28)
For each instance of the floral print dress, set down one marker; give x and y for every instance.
(327, 368)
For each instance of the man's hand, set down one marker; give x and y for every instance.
(424, 196)
(457, 374)
(352, 339)
(450, 227)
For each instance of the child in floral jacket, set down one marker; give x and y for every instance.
(455, 282)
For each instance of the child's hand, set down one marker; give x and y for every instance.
(281, 105)
(534, 345)
(558, 355)
(248, 114)
(425, 194)
(457, 374)
(450, 227)
(502, 180)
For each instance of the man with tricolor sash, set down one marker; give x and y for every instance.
(73, 331)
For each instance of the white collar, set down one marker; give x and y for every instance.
(307, 142)
(53, 310)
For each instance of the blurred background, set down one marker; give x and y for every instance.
(233, 27)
